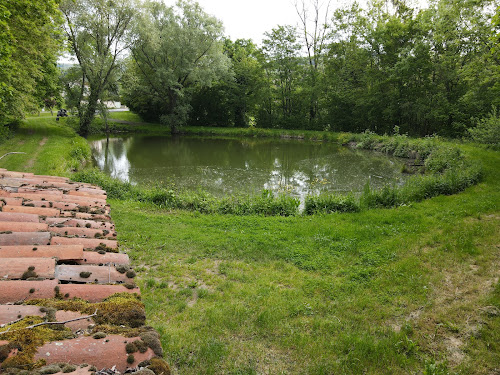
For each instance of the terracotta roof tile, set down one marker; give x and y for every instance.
(90, 274)
(21, 290)
(19, 217)
(32, 210)
(88, 243)
(81, 232)
(10, 313)
(19, 268)
(25, 238)
(102, 353)
(62, 253)
(43, 231)
(70, 222)
(22, 227)
(93, 257)
(93, 292)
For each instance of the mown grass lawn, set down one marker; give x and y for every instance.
(385, 291)
(410, 290)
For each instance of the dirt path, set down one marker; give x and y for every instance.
(31, 162)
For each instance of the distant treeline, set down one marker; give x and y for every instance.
(430, 71)
(425, 71)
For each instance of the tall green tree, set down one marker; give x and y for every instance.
(232, 101)
(283, 67)
(315, 28)
(29, 41)
(96, 31)
(174, 50)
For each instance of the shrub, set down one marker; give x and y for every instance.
(329, 203)
(487, 130)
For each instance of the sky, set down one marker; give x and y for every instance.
(251, 19)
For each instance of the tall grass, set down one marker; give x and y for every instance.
(447, 171)
(265, 204)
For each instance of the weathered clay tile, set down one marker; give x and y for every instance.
(101, 353)
(25, 238)
(93, 257)
(61, 253)
(85, 201)
(67, 206)
(12, 201)
(11, 313)
(87, 194)
(19, 217)
(50, 178)
(63, 316)
(87, 243)
(82, 232)
(15, 174)
(22, 227)
(22, 290)
(91, 190)
(23, 268)
(90, 274)
(70, 222)
(40, 195)
(86, 216)
(93, 292)
(32, 210)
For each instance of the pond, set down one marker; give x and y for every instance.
(244, 165)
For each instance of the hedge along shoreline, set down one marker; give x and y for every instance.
(442, 170)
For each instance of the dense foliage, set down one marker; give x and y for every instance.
(428, 71)
(173, 49)
(28, 52)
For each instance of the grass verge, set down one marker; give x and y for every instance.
(412, 289)
(50, 148)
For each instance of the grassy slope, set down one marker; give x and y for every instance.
(382, 291)
(51, 148)
(403, 290)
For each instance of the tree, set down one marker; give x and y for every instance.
(281, 51)
(28, 43)
(174, 50)
(96, 31)
(315, 30)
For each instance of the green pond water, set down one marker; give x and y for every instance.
(244, 165)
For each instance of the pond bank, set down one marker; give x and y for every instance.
(411, 289)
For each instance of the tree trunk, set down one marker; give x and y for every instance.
(88, 113)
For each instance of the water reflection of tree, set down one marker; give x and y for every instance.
(247, 165)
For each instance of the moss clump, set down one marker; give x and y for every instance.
(30, 273)
(159, 366)
(144, 371)
(119, 309)
(122, 268)
(99, 335)
(85, 274)
(130, 274)
(152, 339)
(103, 247)
(4, 352)
(130, 348)
(50, 369)
(129, 285)
(68, 368)
(27, 341)
(130, 359)
(136, 346)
